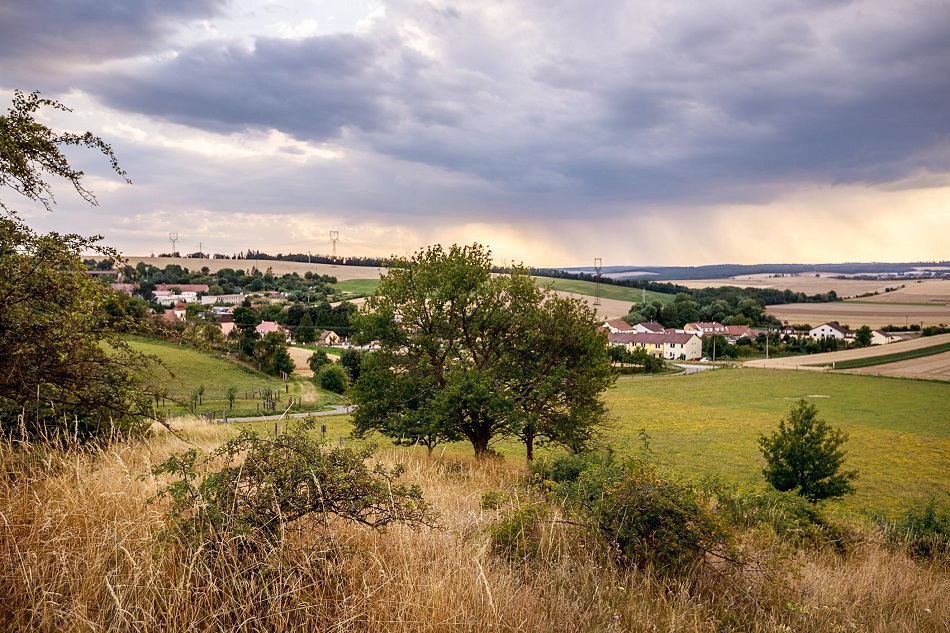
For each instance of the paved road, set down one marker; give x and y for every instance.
(693, 369)
(336, 410)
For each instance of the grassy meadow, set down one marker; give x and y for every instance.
(607, 291)
(185, 368)
(355, 288)
(708, 424)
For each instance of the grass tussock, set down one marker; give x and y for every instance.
(80, 550)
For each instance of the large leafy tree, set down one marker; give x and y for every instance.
(64, 370)
(465, 353)
(804, 454)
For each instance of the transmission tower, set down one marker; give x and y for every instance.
(334, 237)
(174, 239)
(597, 268)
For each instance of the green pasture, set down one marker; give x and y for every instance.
(607, 291)
(184, 368)
(708, 424)
(355, 288)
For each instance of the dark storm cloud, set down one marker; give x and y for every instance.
(309, 89)
(687, 102)
(40, 38)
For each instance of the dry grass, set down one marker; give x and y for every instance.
(80, 551)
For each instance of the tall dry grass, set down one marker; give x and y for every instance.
(80, 550)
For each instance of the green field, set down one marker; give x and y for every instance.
(186, 368)
(607, 291)
(355, 288)
(708, 424)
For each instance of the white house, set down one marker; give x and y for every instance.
(616, 325)
(668, 345)
(880, 337)
(831, 330)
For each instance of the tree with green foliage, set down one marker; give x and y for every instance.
(467, 353)
(272, 355)
(863, 336)
(306, 333)
(334, 378)
(64, 369)
(351, 359)
(317, 360)
(804, 454)
(231, 395)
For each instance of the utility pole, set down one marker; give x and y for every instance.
(597, 269)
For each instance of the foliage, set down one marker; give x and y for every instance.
(804, 454)
(653, 518)
(29, 149)
(923, 530)
(351, 359)
(272, 355)
(466, 353)
(786, 514)
(255, 487)
(64, 370)
(317, 360)
(862, 336)
(646, 362)
(306, 333)
(334, 378)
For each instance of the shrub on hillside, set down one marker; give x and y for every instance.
(923, 531)
(266, 484)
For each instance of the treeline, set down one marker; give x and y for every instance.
(724, 271)
(703, 296)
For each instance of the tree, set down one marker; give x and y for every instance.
(29, 150)
(64, 370)
(804, 454)
(464, 353)
(317, 360)
(306, 333)
(351, 359)
(272, 355)
(334, 378)
(863, 336)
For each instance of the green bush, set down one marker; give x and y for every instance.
(334, 378)
(652, 518)
(318, 360)
(924, 531)
(517, 534)
(253, 487)
(792, 518)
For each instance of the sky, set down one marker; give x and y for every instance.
(664, 132)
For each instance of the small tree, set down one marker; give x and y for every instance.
(317, 360)
(334, 378)
(863, 336)
(231, 394)
(804, 454)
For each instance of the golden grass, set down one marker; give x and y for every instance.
(80, 551)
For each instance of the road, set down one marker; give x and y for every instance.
(335, 410)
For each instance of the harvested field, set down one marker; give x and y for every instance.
(854, 315)
(342, 273)
(810, 285)
(936, 291)
(936, 367)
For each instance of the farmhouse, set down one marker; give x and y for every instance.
(701, 329)
(266, 327)
(328, 337)
(880, 337)
(831, 330)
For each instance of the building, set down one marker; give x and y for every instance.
(668, 345)
(831, 330)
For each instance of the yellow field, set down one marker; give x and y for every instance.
(854, 315)
(342, 273)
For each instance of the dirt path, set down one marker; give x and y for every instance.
(935, 367)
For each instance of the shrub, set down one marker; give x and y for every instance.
(334, 378)
(265, 484)
(652, 518)
(924, 531)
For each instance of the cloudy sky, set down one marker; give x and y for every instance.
(664, 132)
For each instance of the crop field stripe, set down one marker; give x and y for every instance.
(889, 358)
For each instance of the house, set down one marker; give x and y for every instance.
(650, 327)
(183, 288)
(703, 328)
(328, 337)
(668, 345)
(616, 325)
(266, 327)
(833, 330)
(880, 337)
(233, 299)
